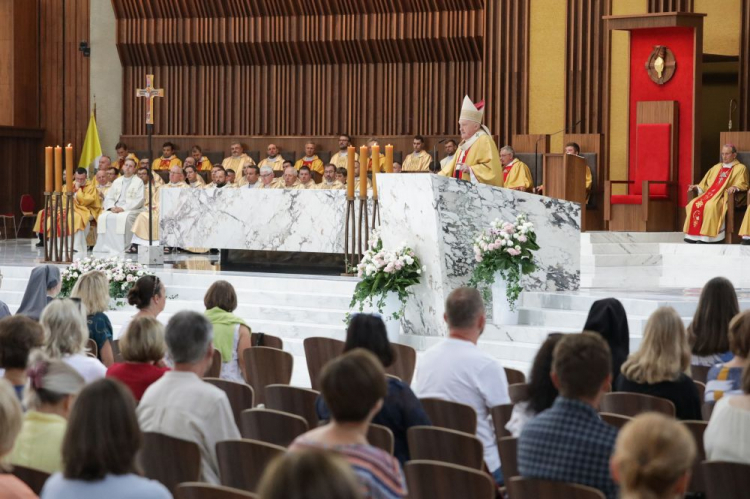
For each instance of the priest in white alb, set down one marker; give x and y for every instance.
(122, 204)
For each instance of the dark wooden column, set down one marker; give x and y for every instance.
(744, 70)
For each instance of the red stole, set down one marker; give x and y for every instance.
(699, 206)
(506, 171)
(460, 161)
(164, 164)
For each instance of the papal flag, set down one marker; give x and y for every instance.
(92, 149)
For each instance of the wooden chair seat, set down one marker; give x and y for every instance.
(405, 364)
(198, 490)
(500, 416)
(530, 488)
(242, 462)
(318, 352)
(726, 480)
(448, 446)
(451, 415)
(381, 437)
(266, 340)
(294, 400)
(271, 426)
(240, 395)
(266, 366)
(435, 480)
(616, 420)
(169, 460)
(633, 404)
(34, 478)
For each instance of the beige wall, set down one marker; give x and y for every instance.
(721, 27)
(106, 75)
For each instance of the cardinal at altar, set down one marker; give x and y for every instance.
(705, 220)
(123, 203)
(477, 158)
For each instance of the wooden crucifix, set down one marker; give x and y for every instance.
(150, 92)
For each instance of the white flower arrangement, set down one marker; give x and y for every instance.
(122, 274)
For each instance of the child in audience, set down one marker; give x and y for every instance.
(709, 330)
(653, 457)
(10, 424)
(724, 380)
(659, 366)
(53, 386)
(309, 474)
(100, 447)
(93, 290)
(725, 438)
(18, 336)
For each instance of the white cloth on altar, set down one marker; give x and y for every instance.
(114, 229)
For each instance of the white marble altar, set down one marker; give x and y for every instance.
(439, 218)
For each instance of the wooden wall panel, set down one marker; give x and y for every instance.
(22, 152)
(744, 69)
(670, 6)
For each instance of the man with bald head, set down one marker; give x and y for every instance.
(311, 160)
(289, 180)
(274, 159)
(238, 159)
(477, 159)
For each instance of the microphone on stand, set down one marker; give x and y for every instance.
(536, 144)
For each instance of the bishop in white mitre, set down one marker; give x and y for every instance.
(122, 204)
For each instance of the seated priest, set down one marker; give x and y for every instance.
(112, 174)
(122, 154)
(168, 158)
(575, 149)
(419, 160)
(192, 177)
(329, 179)
(341, 175)
(477, 158)
(268, 178)
(121, 207)
(158, 181)
(356, 177)
(450, 152)
(238, 158)
(105, 163)
(274, 159)
(102, 183)
(289, 180)
(396, 167)
(202, 163)
(305, 178)
(140, 227)
(252, 177)
(340, 158)
(231, 176)
(516, 174)
(705, 214)
(221, 181)
(311, 160)
(214, 169)
(381, 167)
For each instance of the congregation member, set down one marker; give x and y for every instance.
(140, 226)
(123, 204)
(653, 458)
(341, 175)
(574, 149)
(192, 178)
(10, 425)
(340, 158)
(329, 179)
(53, 386)
(353, 387)
(100, 449)
(252, 177)
(658, 367)
(705, 215)
(237, 159)
(231, 176)
(310, 160)
(44, 285)
(149, 296)
(122, 154)
(450, 151)
(607, 318)
(267, 178)
(381, 167)
(92, 288)
(542, 392)
(725, 438)
(19, 335)
(418, 160)
(231, 333)
(180, 404)
(274, 159)
(289, 180)
(569, 442)
(309, 474)
(401, 408)
(202, 163)
(142, 348)
(459, 371)
(396, 167)
(305, 178)
(477, 158)
(168, 158)
(66, 335)
(709, 328)
(725, 380)
(516, 174)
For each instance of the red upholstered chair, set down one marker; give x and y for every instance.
(28, 209)
(651, 201)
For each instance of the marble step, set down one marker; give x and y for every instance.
(621, 260)
(621, 249)
(633, 306)
(601, 237)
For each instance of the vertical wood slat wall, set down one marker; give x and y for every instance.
(744, 69)
(655, 6)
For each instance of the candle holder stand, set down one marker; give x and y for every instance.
(375, 213)
(349, 249)
(44, 224)
(364, 229)
(68, 228)
(58, 248)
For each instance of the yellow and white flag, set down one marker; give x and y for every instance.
(92, 148)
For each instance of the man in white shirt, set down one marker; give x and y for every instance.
(180, 404)
(457, 370)
(450, 152)
(122, 204)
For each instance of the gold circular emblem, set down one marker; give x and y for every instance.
(661, 65)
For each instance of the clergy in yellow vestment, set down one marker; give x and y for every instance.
(340, 158)
(516, 174)
(140, 227)
(202, 163)
(419, 160)
(122, 155)
(168, 158)
(289, 180)
(305, 178)
(192, 177)
(238, 159)
(311, 160)
(477, 158)
(705, 214)
(329, 179)
(274, 159)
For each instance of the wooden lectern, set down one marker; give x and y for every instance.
(565, 178)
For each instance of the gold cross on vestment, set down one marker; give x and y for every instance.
(149, 92)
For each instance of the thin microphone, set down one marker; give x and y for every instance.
(445, 139)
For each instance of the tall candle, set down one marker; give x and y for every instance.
(350, 152)
(389, 159)
(363, 157)
(49, 172)
(69, 168)
(375, 169)
(58, 169)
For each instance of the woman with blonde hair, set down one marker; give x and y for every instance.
(53, 386)
(10, 424)
(66, 335)
(659, 368)
(653, 457)
(310, 475)
(142, 348)
(93, 290)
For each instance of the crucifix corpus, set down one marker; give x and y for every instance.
(149, 93)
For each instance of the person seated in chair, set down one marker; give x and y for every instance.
(121, 207)
(575, 149)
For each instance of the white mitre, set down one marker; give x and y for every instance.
(473, 112)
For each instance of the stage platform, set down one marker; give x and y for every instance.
(644, 271)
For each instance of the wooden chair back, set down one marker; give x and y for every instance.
(35, 479)
(633, 404)
(381, 437)
(518, 392)
(435, 480)
(500, 416)
(294, 400)
(318, 352)
(616, 420)
(531, 488)
(451, 415)
(270, 426)
(699, 373)
(240, 395)
(169, 460)
(242, 462)
(514, 376)
(726, 480)
(706, 410)
(266, 340)
(266, 366)
(432, 443)
(92, 348)
(405, 363)
(214, 371)
(116, 351)
(507, 447)
(701, 387)
(199, 490)
(697, 480)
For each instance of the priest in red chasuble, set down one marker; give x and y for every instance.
(705, 214)
(477, 158)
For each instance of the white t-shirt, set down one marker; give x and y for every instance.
(90, 368)
(459, 371)
(111, 487)
(726, 437)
